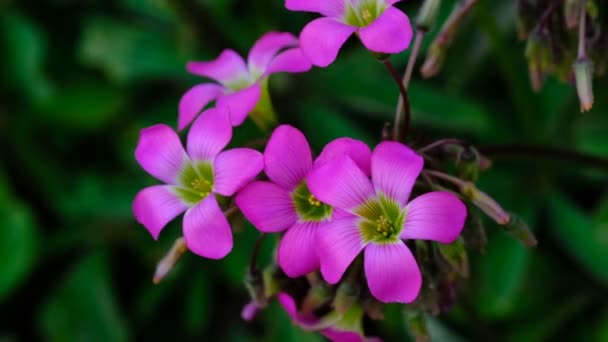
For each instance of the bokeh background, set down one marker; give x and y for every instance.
(80, 78)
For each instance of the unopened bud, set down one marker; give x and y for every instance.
(468, 164)
(165, 265)
(416, 323)
(583, 73)
(572, 10)
(249, 311)
(434, 60)
(271, 281)
(520, 230)
(485, 203)
(538, 54)
(428, 14)
(346, 295)
(455, 255)
(254, 282)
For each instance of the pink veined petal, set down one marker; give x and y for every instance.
(194, 100)
(340, 183)
(336, 335)
(328, 8)
(267, 47)
(339, 242)
(267, 206)
(395, 168)
(322, 38)
(234, 168)
(160, 152)
(226, 68)
(249, 311)
(391, 32)
(287, 157)
(297, 253)
(292, 61)
(357, 150)
(209, 134)
(392, 272)
(206, 230)
(437, 216)
(289, 305)
(241, 103)
(156, 206)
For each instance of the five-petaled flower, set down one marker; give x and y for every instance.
(240, 83)
(285, 203)
(380, 26)
(194, 180)
(379, 218)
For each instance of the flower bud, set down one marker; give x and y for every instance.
(254, 282)
(455, 255)
(520, 230)
(468, 164)
(485, 203)
(416, 323)
(571, 13)
(434, 60)
(249, 311)
(583, 73)
(428, 14)
(270, 277)
(538, 54)
(165, 265)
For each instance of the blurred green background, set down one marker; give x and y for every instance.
(79, 79)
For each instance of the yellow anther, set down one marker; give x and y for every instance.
(203, 186)
(366, 15)
(312, 200)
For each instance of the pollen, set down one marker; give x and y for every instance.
(384, 226)
(366, 15)
(312, 200)
(202, 186)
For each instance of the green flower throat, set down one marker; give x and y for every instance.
(308, 207)
(382, 220)
(196, 182)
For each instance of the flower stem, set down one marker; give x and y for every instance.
(547, 152)
(441, 143)
(441, 175)
(254, 255)
(401, 126)
(582, 54)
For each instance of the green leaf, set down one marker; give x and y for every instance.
(578, 234)
(127, 54)
(18, 240)
(84, 308)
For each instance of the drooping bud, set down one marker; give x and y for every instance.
(166, 264)
(249, 311)
(416, 323)
(263, 114)
(433, 62)
(455, 255)
(583, 73)
(538, 54)
(468, 164)
(520, 230)
(428, 14)
(572, 9)
(254, 282)
(485, 203)
(271, 281)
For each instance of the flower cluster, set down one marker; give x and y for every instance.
(354, 222)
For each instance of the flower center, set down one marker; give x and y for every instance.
(308, 207)
(381, 220)
(195, 182)
(361, 13)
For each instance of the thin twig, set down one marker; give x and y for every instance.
(398, 129)
(441, 143)
(582, 54)
(254, 255)
(441, 175)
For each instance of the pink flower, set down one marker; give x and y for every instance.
(335, 327)
(240, 82)
(380, 26)
(285, 203)
(379, 218)
(193, 179)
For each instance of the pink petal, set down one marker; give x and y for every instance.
(437, 216)
(267, 47)
(241, 103)
(322, 38)
(336, 335)
(297, 253)
(234, 168)
(226, 68)
(392, 272)
(395, 168)
(391, 2)
(287, 157)
(249, 311)
(289, 305)
(156, 206)
(207, 231)
(209, 134)
(391, 32)
(292, 61)
(340, 183)
(194, 100)
(267, 206)
(160, 152)
(329, 8)
(340, 242)
(357, 150)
